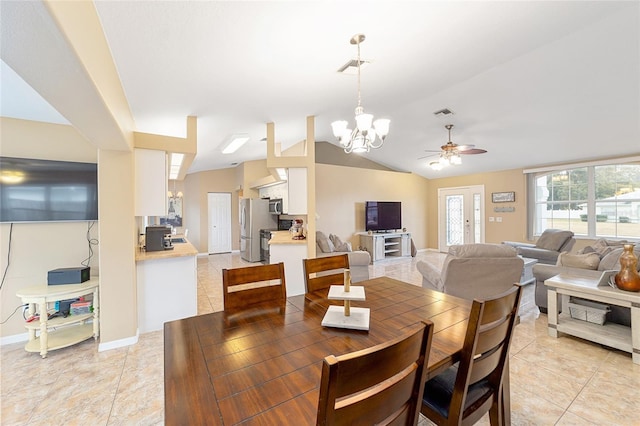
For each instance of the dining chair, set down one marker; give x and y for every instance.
(252, 285)
(378, 385)
(475, 385)
(326, 271)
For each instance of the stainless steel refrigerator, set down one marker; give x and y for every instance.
(254, 216)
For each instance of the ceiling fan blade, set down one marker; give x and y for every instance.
(464, 147)
(432, 150)
(473, 151)
(427, 156)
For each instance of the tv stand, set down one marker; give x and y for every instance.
(386, 245)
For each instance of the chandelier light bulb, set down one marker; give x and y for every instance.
(339, 127)
(382, 127)
(435, 165)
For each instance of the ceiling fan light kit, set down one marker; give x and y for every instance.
(367, 134)
(450, 153)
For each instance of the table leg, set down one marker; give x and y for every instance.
(96, 314)
(506, 395)
(635, 332)
(32, 312)
(552, 312)
(44, 338)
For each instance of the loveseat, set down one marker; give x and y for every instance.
(474, 271)
(548, 247)
(589, 262)
(359, 260)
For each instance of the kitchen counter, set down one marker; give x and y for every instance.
(284, 237)
(179, 250)
(167, 286)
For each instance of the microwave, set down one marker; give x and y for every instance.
(275, 206)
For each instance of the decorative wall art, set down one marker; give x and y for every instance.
(503, 197)
(175, 213)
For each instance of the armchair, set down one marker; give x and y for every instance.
(474, 271)
(549, 245)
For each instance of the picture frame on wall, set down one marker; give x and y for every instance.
(503, 197)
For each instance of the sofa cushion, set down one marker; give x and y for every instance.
(482, 250)
(553, 239)
(582, 261)
(325, 244)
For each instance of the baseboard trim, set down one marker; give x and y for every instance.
(16, 338)
(128, 341)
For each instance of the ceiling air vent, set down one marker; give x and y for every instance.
(443, 112)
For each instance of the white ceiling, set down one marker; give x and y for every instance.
(533, 83)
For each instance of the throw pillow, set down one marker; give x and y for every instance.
(612, 260)
(582, 261)
(338, 244)
(553, 240)
(324, 243)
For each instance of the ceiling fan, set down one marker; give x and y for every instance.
(450, 152)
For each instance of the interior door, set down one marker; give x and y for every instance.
(460, 216)
(219, 204)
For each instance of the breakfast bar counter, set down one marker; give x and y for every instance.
(179, 250)
(167, 283)
(282, 248)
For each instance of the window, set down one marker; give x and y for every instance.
(600, 200)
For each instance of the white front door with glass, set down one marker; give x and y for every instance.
(460, 216)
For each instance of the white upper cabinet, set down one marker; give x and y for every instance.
(150, 182)
(297, 191)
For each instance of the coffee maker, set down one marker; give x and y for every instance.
(158, 237)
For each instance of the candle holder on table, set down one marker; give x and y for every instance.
(346, 316)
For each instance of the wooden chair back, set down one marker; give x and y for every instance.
(482, 364)
(252, 285)
(378, 385)
(312, 267)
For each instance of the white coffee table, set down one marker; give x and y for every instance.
(614, 335)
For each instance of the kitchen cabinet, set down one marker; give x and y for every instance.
(150, 182)
(297, 202)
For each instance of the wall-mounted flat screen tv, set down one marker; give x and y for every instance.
(47, 191)
(383, 215)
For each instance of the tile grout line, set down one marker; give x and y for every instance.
(115, 394)
(581, 390)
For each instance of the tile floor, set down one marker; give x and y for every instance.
(563, 381)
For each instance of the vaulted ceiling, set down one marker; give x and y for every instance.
(532, 82)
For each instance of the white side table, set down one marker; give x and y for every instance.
(614, 335)
(527, 271)
(59, 333)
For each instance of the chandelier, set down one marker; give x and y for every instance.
(364, 136)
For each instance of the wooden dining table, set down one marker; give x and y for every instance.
(263, 366)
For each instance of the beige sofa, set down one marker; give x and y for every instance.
(474, 271)
(359, 260)
(590, 262)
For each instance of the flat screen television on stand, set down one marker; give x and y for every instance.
(383, 216)
(33, 190)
